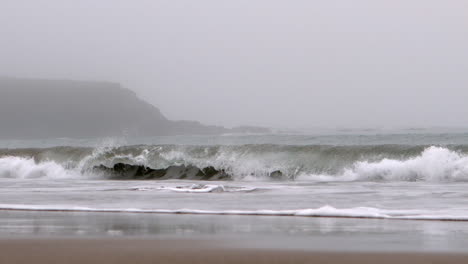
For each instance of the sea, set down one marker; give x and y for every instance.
(354, 190)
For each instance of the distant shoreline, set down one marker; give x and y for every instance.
(45, 109)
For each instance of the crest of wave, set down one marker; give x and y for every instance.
(105, 154)
(434, 164)
(241, 163)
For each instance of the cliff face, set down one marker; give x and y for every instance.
(56, 108)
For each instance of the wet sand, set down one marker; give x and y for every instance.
(46, 251)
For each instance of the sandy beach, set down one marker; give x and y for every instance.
(188, 251)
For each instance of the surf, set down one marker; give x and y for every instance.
(244, 162)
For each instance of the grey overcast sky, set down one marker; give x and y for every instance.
(290, 63)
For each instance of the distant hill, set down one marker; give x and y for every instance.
(31, 108)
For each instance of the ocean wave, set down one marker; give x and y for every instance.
(246, 162)
(324, 211)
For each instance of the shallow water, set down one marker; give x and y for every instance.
(297, 233)
(394, 200)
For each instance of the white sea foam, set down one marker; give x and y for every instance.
(196, 188)
(208, 188)
(435, 164)
(325, 211)
(27, 168)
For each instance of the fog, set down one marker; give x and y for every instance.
(294, 64)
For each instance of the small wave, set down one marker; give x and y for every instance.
(194, 188)
(208, 188)
(324, 211)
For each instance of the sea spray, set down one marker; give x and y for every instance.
(27, 168)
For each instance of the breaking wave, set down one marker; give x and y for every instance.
(247, 162)
(27, 168)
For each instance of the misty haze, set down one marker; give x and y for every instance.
(263, 63)
(213, 131)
